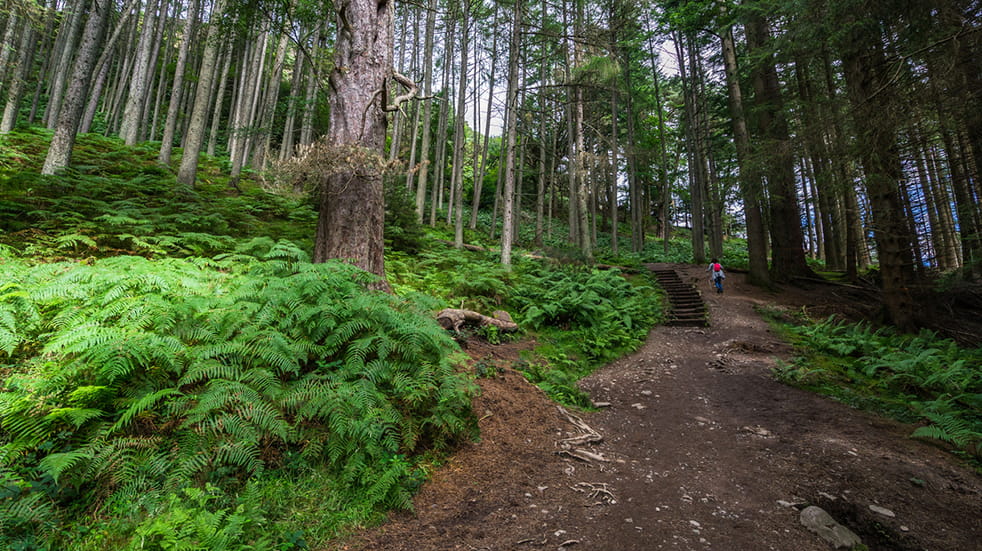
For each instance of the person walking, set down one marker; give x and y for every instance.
(716, 275)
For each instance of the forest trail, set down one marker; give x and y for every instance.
(703, 450)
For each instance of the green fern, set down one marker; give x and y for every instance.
(949, 428)
(162, 374)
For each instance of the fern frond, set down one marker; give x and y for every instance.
(141, 405)
(948, 428)
(74, 416)
(56, 464)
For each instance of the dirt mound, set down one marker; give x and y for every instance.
(701, 449)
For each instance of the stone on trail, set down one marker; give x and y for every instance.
(820, 522)
(882, 510)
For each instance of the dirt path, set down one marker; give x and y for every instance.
(704, 451)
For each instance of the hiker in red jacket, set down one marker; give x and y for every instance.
(716, 275)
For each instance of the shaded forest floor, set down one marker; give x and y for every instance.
(702, 449)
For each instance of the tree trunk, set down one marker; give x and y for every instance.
(665, 186)
(424, 152)
(20, 77)
(202, 99)
(219, 99)
(439, 164)
(157, 84)
(64, 51)
(459, 119)
(50, 15)
(137, 94)
(288, 145)
(508, 193)
(307, 120)
(243, 124)
(864, 67)
(177, 87)
(612, 166)
(749, 179)
(268, 105)
(7, 46)
(693, 148)
(479, 175)
(350, 223)
(102, 66)
(787, 255)
(63, 141)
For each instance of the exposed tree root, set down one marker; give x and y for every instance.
(455, 318)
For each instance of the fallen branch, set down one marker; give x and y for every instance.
(455, 318)
(595, 491)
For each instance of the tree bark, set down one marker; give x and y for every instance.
(479, 175)
(63, 141)
(177, 87)
(219, 86)
(508, 193)
(137, 91)
(20, 77)
(612, 167)
(749, 179)
(424, 151)
(202, 100)
(454, 318)
(693, 146)
(863, 63)
(64, 51)
(350, 223)
(787, 255)
(459, 119)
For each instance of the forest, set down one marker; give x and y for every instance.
(226, 226)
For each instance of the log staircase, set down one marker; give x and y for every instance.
(687, 306)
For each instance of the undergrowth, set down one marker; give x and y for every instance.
(131, 383)
(176, 374)
(581, 317)
(915, 378)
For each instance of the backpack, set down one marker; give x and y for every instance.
(717, 267)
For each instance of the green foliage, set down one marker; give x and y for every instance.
(191, 521)
(118, 200)
(402, 230)
(586, 317)
(130, 376)
(557, 379)
(190, 368)
(915, 377)
(461, 279)
(600, 311)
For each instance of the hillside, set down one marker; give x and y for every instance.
(176, 371)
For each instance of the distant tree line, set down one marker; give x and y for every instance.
(848, 131)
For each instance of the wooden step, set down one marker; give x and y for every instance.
(687, 309)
